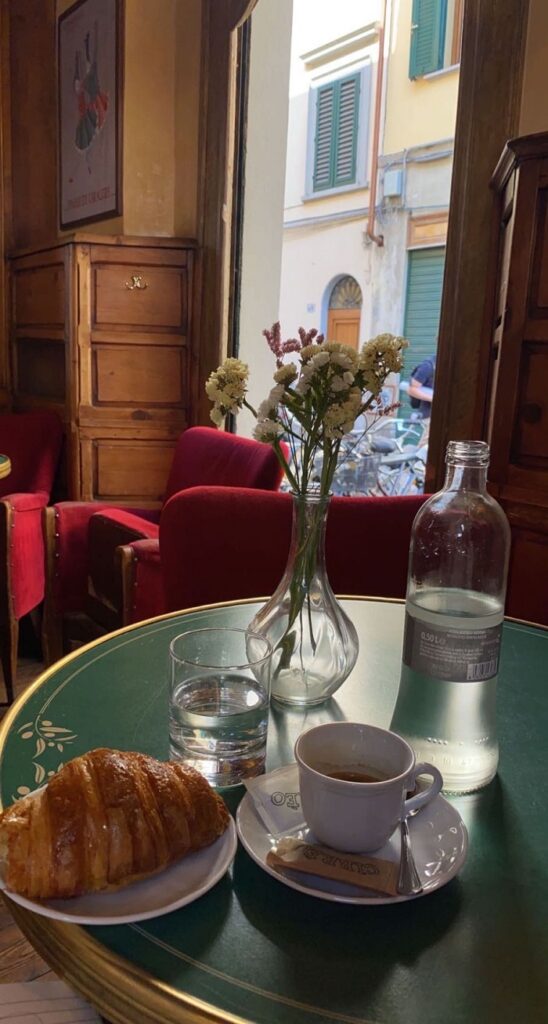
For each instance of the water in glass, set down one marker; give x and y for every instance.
(219, 703)
(452, 724)
(219, 723)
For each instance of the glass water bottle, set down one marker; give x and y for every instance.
(456, 589)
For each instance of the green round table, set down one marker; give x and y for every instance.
(5, 466)
(251, 949)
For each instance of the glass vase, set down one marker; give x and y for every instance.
(314, 642)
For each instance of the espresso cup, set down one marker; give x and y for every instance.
(353, 782)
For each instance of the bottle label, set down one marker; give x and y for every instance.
(455, 654)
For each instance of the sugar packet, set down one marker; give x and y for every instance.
(369, 873)
(277, 799)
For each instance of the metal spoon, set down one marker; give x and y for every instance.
(409, 883)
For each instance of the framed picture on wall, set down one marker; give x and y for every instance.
(89, 57)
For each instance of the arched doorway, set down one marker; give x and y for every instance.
(344, 311)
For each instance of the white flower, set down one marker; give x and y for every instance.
(317, 361)
(217, 416)
(286, 374)
(341, 381)
(342, 359)
(267, 430)
(302, 385)
(264, 410)
(308, 351)
(269, 406)
(384, 353)
(277, 394)
(225, 398)
(227, 385)
(343, 355)
(212, 387)
(341, 416)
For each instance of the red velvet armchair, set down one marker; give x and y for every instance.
(224, 545)
(103, 563)
(33, 443)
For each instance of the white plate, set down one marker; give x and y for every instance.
(439, 842)
(178, 885)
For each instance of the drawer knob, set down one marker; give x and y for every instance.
(137, 282)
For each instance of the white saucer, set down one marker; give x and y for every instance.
(439, 842)
(178, 885)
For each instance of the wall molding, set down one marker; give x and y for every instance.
(336, 49)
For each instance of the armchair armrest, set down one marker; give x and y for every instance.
(142, 583)
(22, 552)
(123, 524)
(67, 558)
(108, 530)
(65, 530)
(22, 502)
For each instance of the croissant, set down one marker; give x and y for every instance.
(105, 820)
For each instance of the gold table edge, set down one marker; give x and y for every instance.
(119, 989)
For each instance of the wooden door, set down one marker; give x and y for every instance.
(344, 325)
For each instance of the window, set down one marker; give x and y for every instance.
(436, 29)
(339, 114)
(337, 108)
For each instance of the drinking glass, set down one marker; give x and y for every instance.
(219, 701)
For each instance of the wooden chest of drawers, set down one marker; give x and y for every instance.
(102, 332)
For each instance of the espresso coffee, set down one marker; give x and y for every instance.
(352, 779)
(365, 774)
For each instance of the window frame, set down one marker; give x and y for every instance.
(449, 45)
(362, 169)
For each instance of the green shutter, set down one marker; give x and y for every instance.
(347, 130)
(422, 310)
(323, 148)
(428, 23)
(335, 142)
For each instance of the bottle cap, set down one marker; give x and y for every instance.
(467, 453)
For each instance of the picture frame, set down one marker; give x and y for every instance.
(89, 64)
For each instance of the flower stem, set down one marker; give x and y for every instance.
(308, 526)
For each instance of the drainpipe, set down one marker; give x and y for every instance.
(370, 230)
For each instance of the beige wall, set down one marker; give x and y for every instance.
(419, 111)
(188, 33)
(149, 118)
(264, 192)
(534, 107)
(161, 105)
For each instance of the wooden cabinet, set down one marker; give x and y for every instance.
(518, 400)
(102, 332)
